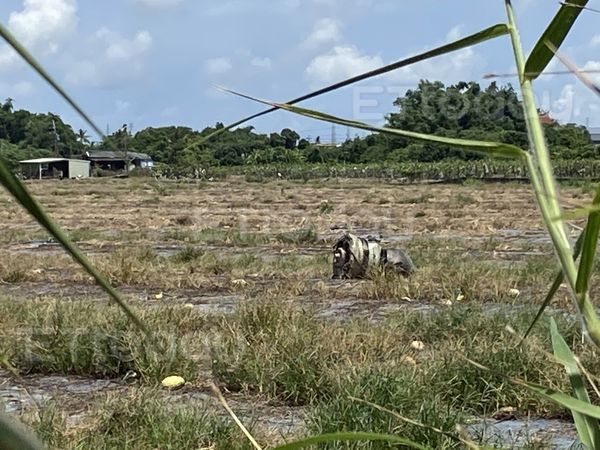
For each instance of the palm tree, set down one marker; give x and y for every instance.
(83, 137)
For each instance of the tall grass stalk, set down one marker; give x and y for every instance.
(544, 184)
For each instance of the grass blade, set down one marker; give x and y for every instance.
(587, 427)
(580, 7)
(541, 173)
(558, 280)
(459, 439)
(16, 45)
(579, 213)
(564, 400)
(590, 243)
(350, 437)
(20, 193)
(572, 403)
(235, 418)
(555, 34)
(481, 36)
(488, 148)
(13, 436)
(580, 74)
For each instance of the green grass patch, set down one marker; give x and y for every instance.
(143, 420)
(93, 339)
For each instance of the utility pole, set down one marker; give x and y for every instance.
(333, 134)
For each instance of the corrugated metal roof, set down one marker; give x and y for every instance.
(51, 160)
(107, 154)
(42, 160)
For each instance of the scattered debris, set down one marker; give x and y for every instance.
(173, 382)
(408, 360)
(417, 345)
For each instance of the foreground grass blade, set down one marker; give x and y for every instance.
(545, 188)
(13, 436)
(20, 193)
(350, 437)
(580, 74)
(587, 427)
(12, 41)
(467, 443)
(572, 403)
(558, 280)
(590, 243)
(481, 36)
(488, 148)
(564, 400)
(555, 34)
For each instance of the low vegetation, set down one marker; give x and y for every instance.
(251, 307)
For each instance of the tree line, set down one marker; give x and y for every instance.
(463, 110)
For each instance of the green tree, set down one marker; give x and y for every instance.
(276, 140)
(290, 138)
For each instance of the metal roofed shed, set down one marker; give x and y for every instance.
(116, 161)
(41, 168)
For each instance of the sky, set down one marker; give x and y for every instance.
(157, 62)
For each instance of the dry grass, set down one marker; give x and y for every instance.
(294, 337)
(123, 205)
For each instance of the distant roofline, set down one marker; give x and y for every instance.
(50, 160)
(111, 155)
(42, 160)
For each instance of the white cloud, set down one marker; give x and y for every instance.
(263, 63)
(41, 26)
(325, 31)
(564, 109)
(341, 62)
(593, 66)
(454, 34)
(158, 3)
(453, 67)
(346, 61)
(218, 65)
(17, 90)
(118, 60)
(449, 68)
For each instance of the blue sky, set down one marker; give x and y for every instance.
(155, 62)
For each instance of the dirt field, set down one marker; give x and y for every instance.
(212, 251)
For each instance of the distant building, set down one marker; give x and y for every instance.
(545, 118)
(116, 161)
(55, 168)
